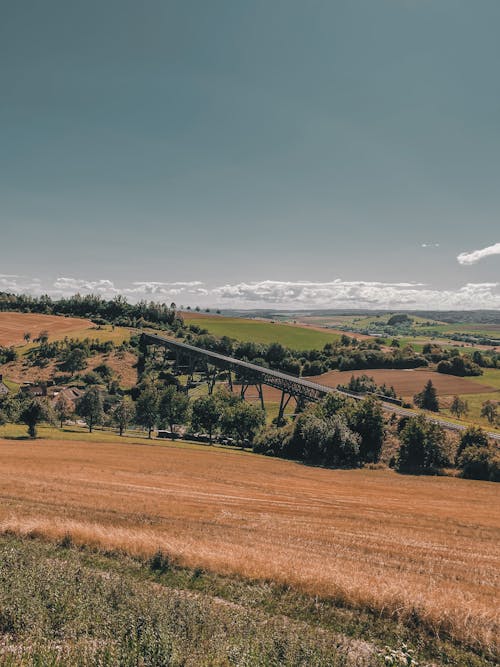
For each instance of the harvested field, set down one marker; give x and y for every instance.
(13, 326)
(420, 548)
(409, 382)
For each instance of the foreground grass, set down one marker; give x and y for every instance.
(67, 606)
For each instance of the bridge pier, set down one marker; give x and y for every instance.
(283, 405)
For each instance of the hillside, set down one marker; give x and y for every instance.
(406, 547)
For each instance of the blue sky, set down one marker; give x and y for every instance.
(275, 152)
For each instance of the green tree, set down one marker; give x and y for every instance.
(367, 420)
(123, 413)
(10, 407)
(63, 408)
(422, 446)
(33, 412)
(474, 436)
(146, 408)
(427, 399)
(325, 440)
(90, 407)
(75, 360)
(490, 411)
(205, 414)
(459, 407)
(480, 463)
(27, 336)
(173, 408)
(242, 421)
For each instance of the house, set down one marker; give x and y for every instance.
(71, 393)
(31, 389)
(4, 390)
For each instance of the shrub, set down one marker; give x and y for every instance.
(476, 462)
(474, 436)
(422, 447)
(328, 441)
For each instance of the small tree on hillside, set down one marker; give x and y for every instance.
(489, 410)
(206, 414)
(146, 408)
(123, 413)
(33, 412)
(173, 408)
(63, 408)
(75, 360)
(27, 336)
(422, 447)
(427, 399)
(459, 407)
(90, 407)
(43, 337)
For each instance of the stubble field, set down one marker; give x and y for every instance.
(417, 549)
(14, 325)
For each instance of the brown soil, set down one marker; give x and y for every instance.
(408, 382)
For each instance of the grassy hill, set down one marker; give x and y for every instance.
(262, 331)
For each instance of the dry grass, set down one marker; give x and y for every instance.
(423, 549)
(13, 326)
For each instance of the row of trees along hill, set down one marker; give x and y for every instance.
(336, 432)
(116, 311)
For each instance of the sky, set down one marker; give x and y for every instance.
(267, 153)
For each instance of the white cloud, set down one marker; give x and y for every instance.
(358, 294)
(77, 285)
(476, 255)
(274, 293)
(430, 245)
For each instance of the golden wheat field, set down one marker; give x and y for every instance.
(421, 548)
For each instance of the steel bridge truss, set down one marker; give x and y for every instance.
(189, 359)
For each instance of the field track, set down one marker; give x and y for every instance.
(403, 545)
(13, 326)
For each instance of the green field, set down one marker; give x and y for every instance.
(294, 337)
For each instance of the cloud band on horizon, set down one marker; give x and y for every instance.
(275, 293)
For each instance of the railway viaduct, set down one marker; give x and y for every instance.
(191, 359)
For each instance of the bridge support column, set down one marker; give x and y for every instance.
(283, 405)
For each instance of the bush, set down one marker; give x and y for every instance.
(422, 447)
(460, 366)
(474, 436)
(273, 441)
(325, 440)
(480, 463)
